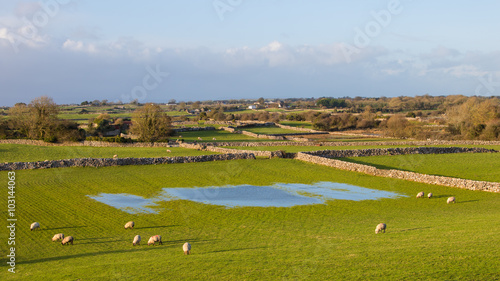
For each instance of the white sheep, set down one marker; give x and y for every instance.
(429, 195)
(35, 226)
(154, 239)
(420, 194)
(129, 224)
(115, 156)
(66, 240)
(200, 138)
(214, 139)
(137, 240)
(450, 200)
(380, 227)
(168, 150)
(186, 248)
(58, 236)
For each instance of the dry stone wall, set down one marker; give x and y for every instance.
(106, 162)
(397, 151)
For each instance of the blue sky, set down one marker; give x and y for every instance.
(75, 50)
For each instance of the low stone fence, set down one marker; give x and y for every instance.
(106, 162)
(298, 128)
(398, 151)
(194, 129)
(398, 174)
(365, 143)
(202, 146)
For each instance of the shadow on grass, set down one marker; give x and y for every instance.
(468, 201)
(65, 227)
(159, 226)
(88, 254)
(240, 249)
(412, 229)
(441, 196)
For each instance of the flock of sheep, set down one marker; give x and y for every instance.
(137, 239)
(382, 226)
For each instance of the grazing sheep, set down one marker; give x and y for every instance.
(420, 194)
(200, 138)
(35, 226)
(168, 150)
(186, 248)
(67, 240)
(214, 139)
(380, 227)
(429, 195)
(129, 224)
(137, 240)
(115, 156)
(154, 239)
(450, 200)
(58, 236)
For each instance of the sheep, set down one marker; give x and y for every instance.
(420, 194)
(129, 224)
(450, 200)
(154, 239)
(115, 156)
(200, 138)
(168, 150)
(34, 226)
(429, 195)
(137, 240)
(58, 236)
(180, 136)
(380, 227)
(67, 240)
(214, 139)
(186, 248)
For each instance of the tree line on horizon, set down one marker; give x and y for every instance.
(450, 117)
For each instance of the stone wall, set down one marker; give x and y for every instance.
(201, 146)
(398, 174)
(397, 151)
(193, 129)
(106, 162)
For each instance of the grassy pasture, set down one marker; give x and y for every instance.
(300, 124)
(270, 130)
(425, 239)
(219, 135)
(474, 166)
(20, 152)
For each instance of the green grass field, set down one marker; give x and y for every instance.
(425, 239)
(474, 166)
(270, 130)
(219, 135)
(300, 124)
(20, 153)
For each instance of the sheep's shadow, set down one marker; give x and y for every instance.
(240, 249)
(88, 254)
(161, 226)
(468, 201)
(412, 229)
(189, 240)
(100, 242)
(441, 196)
(65, 227)
(95, 238)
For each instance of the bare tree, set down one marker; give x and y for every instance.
(150, 123)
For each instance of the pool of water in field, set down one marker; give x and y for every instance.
(277, 195)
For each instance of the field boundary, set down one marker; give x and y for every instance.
(107, 162)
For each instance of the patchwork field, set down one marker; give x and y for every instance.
(425, 238)
(21, 153)
(474, 166)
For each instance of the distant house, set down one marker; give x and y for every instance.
(275, 104)
(253, 106)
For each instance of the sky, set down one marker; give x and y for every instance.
(155, 51)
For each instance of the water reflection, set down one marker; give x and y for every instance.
(277, 195)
